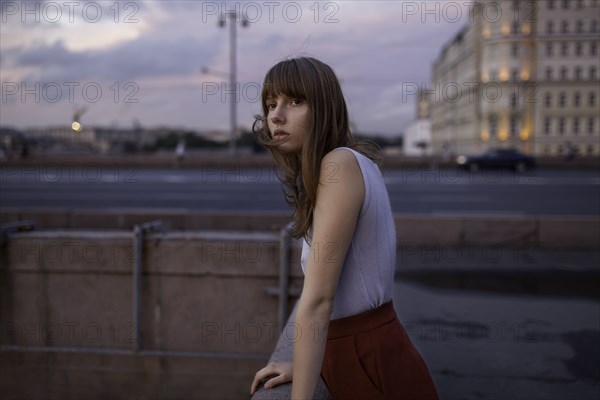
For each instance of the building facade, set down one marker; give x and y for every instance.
(521, 74)
(417, 134)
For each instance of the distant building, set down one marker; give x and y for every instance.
(417, 134)
(97, 139)
(522, 74)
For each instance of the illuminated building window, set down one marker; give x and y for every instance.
(564, 27)
(576, 99)
(592, 99)
(549, 73)
(564, 49)
(550, 27)
(576, 125)
(549, 48)
(593, 70)
(562, 99)
(547, 125)
(548, 100)
(579, 48)
(590, 125)
(563, 73)
(578, 73)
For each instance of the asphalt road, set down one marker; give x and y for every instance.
(427, 191)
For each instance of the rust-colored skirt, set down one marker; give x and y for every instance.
(370, 356)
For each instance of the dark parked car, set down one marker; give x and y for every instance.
(497, 158)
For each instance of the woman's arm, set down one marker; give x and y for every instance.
(340, 195)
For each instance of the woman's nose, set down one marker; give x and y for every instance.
(277, 115)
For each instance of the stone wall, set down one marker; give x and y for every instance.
(207, 320)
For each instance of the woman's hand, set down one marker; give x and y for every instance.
(281, 372)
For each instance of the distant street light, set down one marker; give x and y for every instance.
(233, 19)
(76, 124)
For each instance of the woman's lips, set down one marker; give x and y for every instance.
(278, 134)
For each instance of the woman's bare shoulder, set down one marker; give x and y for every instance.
(341, 159)
(341, 172)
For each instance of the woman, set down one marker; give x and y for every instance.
(347, 327)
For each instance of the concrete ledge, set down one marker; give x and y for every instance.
(579, 232)
(222, 160)
(284, 352)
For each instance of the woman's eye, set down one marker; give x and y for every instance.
(271, 106)
(296, 102)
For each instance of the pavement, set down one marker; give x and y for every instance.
(504, 323)
(504, 346)
(500, 327)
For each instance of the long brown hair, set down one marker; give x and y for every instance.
(313, 81)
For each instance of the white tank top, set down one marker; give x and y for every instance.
(367, 276)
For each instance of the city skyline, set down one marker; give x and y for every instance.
(142, 61)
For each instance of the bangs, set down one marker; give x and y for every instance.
(284, 79)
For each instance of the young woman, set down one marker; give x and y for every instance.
(347, 328)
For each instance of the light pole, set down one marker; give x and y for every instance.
(76, 123)
(233, 19)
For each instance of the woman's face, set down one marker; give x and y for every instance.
(288, 122)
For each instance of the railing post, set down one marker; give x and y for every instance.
(139, 232)
(284, 275)
(11, 227)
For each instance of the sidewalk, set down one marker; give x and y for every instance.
(504, 327)
(494, 346)
(483, 332)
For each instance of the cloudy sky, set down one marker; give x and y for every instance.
(142, 60)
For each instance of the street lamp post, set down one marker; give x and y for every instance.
(233, 17)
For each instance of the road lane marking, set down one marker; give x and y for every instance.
(456, 198)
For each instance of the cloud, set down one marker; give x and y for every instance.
(373, 47)
(125, 62)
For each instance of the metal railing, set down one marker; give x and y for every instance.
(139, 233)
